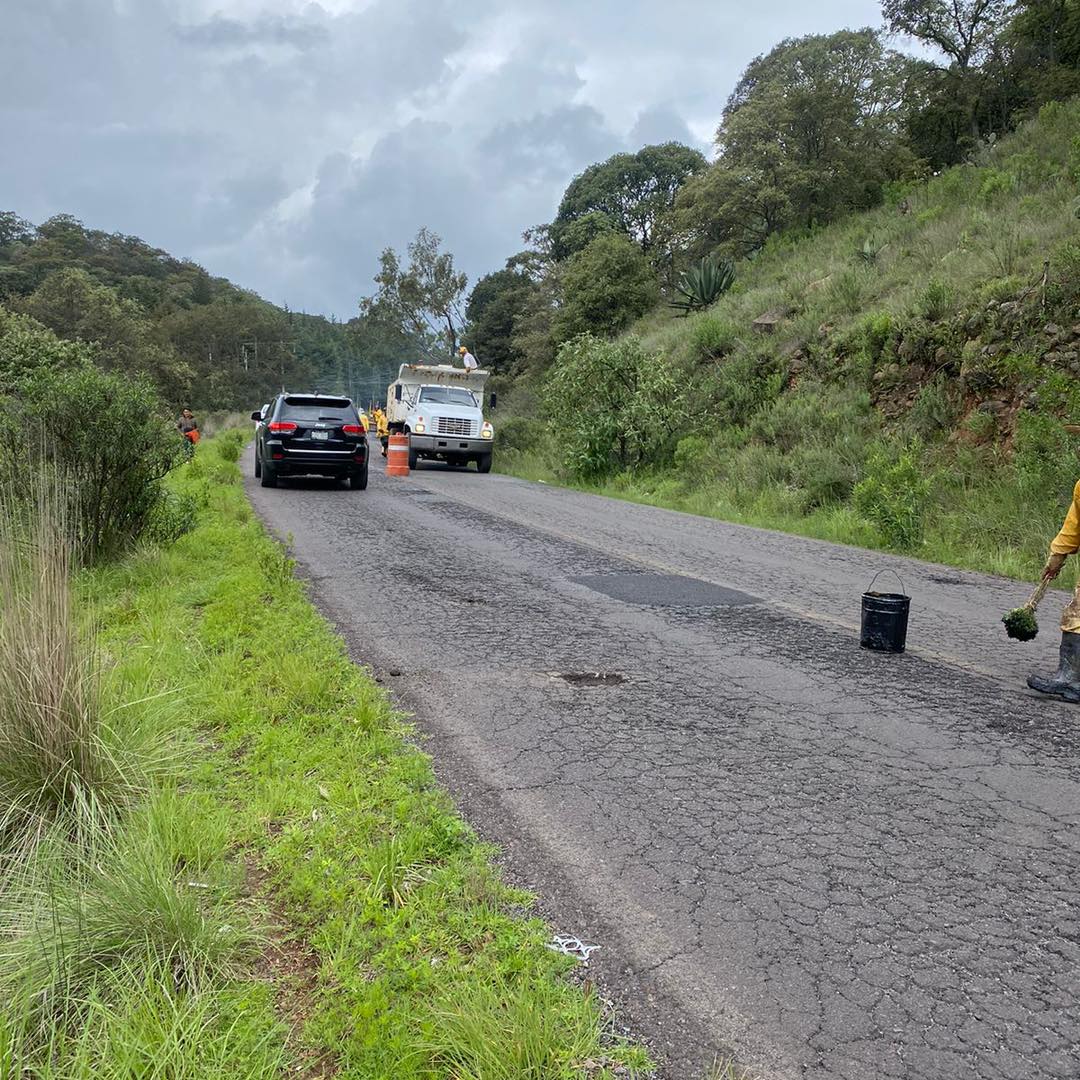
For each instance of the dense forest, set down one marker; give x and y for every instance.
(201, 340)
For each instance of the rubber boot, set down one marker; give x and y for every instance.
(1065, 682)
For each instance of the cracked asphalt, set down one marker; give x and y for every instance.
(830, 862)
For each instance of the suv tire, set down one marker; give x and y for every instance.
(258, 464)
(358, 481)
(269, 477)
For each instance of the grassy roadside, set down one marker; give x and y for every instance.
(290, 890)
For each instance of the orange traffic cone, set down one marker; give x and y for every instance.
(397, 455)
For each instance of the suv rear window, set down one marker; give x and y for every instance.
(309, 408)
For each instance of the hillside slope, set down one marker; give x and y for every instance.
(900, 379)
(202, 340)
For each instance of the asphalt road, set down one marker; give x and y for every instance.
(836, 863)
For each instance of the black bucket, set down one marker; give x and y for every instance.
(884, 618)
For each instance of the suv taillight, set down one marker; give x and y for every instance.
(352, 429)
(282, 427)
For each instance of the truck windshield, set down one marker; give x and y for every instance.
(447, 395)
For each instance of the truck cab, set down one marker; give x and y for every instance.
(440, 408)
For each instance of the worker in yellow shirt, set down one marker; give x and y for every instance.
(1065, 682)
(382, 428)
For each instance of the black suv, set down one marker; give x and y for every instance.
(310, 435)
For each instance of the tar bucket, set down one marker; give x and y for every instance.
(884, 617)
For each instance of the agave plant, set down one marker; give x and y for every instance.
(703, 284)
(869, 251)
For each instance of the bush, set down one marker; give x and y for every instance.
(743, 385)
(615, 403)
(932, 413)
(846, 292)
(519, 434)
(1044, 462)
(713, 336)
(690, 452)
(107, 434)
(173, 516)
(893, 495)
(935, 301)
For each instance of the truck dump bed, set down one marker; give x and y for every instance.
(442, 375)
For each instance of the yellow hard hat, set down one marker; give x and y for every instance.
(462, 349)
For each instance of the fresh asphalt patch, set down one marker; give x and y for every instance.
(664, 590)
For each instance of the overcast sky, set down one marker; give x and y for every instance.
(283, 144)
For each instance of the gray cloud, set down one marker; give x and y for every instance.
(285, 143)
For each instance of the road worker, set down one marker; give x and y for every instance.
(188, 426)
(468, 359)
(382, 428)
(1065, 682)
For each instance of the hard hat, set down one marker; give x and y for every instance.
(462, 349)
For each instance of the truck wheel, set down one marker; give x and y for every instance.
(414, 457)
(484, 464)
(269, 477)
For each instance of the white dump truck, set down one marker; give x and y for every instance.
(440, 408)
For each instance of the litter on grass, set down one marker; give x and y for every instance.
(572, 946)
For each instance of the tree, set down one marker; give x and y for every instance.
(811, 131)
(13, 230)
(77, 308)
(970, 34)
(604, 288)
(964, 30)
(424, 298)
(628, 193)
(495, 304)
(1045, 41)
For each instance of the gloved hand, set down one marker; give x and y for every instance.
(1053, 567)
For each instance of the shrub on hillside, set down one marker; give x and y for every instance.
(933, 413)
(714, 336)
(105, 432)
(742, 385)
(614, 404)
(935, 301)
(893, 494)
(519, 434)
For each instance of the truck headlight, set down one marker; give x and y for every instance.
(487, 431)
(419, 427)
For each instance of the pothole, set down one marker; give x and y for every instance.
(591, 678)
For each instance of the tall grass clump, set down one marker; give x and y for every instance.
(131, 898)
(57, 759)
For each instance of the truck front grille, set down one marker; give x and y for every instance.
(453, 425)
